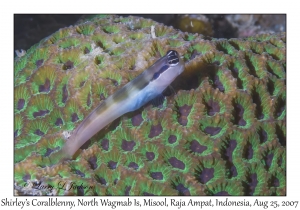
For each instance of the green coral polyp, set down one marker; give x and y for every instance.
(162, 30)
(256, 173)
(281, 132)
(62, 33)
(134, 162)
(266, 132)
(175, 43)
(126, 187)
(101, 40)
(35, 130)
(62, 92)
(279, 157)
(21, 98)
(100, 21)
(189, 37)
(56, 119)
(137, 36)
(131, 64)
(39, 107)
(69, 59)
(116, 177)
(183, 187)
(73, 114)
(46, 145)
(85, 29)
(86, 47)
(111, 29)
(199, 144)
(243, 110)
(39, 57)
(186, 108)
(172, 138)
(106, 143)
(159, 172)
(182, 98)
(43, 81)
(208, 170)
(125, 140)
(112, 159)
(80, 79)
(64, 173)
(280, 107)
(101, 61)
(177, 161)
(214, 127)
(69, 43)
(262, 100)
(145, 23)
(100, 91)
(203, 47)
(225, 47)
(23, 150)
(19, 65)
(239, 72)
(93, 158)
(255, 65)
(276, 53)
(224, 187)
(214, 101)
(117, 51)
(215, 58)
(268, 155)
(277, 42)
(278, 174)
(275, 86)
(256, 47)
(238, 44)
(246, 149)
(21, 173)
(118, 39)
(18, 125)
(85, 96)
(151, 131)
(80, 170)
(224, 81)
(103, 175)
(112, 75)
(119, 63)
(150, 152)
(276, 69)
(158, 48)
(150, 188)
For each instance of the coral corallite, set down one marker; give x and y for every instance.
(221, 130)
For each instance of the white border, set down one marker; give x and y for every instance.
(153, 6)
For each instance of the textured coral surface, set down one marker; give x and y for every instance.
(220, 130)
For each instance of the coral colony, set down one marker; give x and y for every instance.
(220, 130)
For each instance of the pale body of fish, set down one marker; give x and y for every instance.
(142, 89)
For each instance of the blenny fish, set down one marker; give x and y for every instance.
(142, 89)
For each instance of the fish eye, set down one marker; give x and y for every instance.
(172, 57)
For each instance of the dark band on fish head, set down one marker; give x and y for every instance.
(173, 57)
(161, 70)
